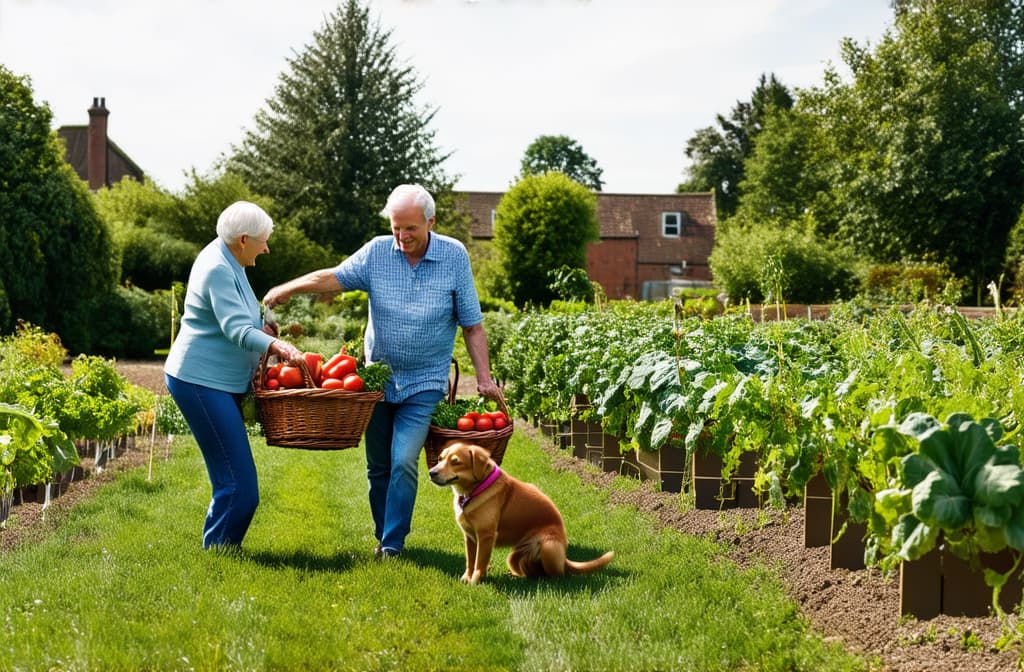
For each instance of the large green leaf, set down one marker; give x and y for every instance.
(1015, 529)
(999, 485)
(915, 469)
(913, 538)
(973, 449)
(939, 501)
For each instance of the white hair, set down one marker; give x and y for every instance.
(243, 218)
(419, 196)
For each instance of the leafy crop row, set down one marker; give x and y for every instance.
(857, 398)
(43, 411)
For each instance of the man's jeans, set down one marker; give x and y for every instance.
(394, 438)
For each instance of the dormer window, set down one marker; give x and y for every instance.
(671, 224)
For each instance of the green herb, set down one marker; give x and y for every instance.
(375, 376)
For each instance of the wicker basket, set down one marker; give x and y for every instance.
(494, 440)
(312, 417)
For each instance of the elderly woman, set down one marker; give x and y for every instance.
(212, 360)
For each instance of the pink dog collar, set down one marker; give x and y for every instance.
(486, 483)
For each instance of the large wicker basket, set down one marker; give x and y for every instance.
(494, 440)
(312, 417)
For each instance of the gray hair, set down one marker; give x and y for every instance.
(420, 197)
(243, 218)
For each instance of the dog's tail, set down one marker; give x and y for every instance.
(589, 566)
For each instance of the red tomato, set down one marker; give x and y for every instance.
(314, 362)
(472, 414)
(345, 366)
(332, 384)
(291, 376)
(465, 424)
(272, 384)
(483, 424)
(500, 423)
(352, 382)
(274, 370)
(330, 363)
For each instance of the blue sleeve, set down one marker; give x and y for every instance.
(353, 272)
(467, 303)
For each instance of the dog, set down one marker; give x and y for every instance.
(495, 509)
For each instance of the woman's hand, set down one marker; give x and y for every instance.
(287, 352)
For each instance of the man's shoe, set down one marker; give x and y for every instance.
(382, 553)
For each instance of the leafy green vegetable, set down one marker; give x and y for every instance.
(375, 376)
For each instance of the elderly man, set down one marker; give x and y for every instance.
(421, 290)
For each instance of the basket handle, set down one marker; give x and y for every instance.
(503, 405)
(453, 387)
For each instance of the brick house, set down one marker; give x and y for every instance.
(94, 156)
(656, 239)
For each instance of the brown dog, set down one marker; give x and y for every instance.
(494, 509)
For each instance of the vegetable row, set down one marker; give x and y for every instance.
(883, 403)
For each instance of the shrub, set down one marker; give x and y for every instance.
(130, 322)
(809, 268)
(152, 259)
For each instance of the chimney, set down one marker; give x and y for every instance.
(96, 150)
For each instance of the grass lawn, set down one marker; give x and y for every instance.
(122, 584)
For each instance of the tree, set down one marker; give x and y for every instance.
(785, 177)
(56, 255)
(927, 139)
(565, 155)
(718, 155)
(542, 223)
(341, 131)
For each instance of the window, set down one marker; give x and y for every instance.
(671, 224)
(494, 215)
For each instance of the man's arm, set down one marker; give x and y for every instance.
(315, 282)
(476, 343)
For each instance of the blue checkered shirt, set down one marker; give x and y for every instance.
(414, 311)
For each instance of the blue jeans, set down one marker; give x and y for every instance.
(394, 438)
(215, 418)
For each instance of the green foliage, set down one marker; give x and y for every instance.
(55, 252)
(956, 483)
(560, 153)
(341, 131)
(718, 155)
(169, 419)
(196, 210)
(1013, 263)
(150, 258)
(130, 322)
(813, 270)
(542, 222)
(572, 284)
(134, 203)
(912, 282)
(783, 178)
(925, 149)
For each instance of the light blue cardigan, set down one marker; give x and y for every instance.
(221, 338)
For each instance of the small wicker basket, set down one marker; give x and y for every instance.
(311, 417)
(494, 440)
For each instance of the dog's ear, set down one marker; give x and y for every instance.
(479, 459)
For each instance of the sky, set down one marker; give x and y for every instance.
(630, 80)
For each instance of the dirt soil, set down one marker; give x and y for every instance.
(858, 608)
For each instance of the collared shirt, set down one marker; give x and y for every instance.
(415, 311)
(221, 337)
